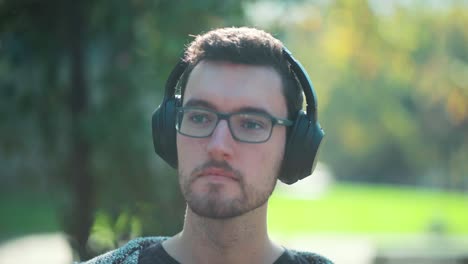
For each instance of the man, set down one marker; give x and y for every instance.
(236, 119)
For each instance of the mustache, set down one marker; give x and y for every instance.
(219, 165)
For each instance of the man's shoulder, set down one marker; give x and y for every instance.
(128, 253)
(301, 257)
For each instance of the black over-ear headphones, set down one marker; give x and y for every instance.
(303, 141)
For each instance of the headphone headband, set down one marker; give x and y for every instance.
(174, 76)
(305, 83)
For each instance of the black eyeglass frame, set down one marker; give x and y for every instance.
(227, 116)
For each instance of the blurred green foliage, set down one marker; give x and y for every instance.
(94, 70)
(391, 78)
(392, 83)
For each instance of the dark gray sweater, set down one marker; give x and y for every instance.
(148, 250)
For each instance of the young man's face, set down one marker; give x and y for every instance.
(219, 176)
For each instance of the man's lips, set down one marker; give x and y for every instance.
(218, 172)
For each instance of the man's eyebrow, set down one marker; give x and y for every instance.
(199, 103)
(255, 110)
(206, 104)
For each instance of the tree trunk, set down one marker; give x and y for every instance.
(81, 181)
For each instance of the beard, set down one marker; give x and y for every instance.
(213, 203)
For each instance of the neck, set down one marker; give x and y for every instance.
(242, 239)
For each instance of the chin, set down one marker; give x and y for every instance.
(214, 203)
(216, 207)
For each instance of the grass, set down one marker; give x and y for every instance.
(371, 210)
(25, 213)
(344, 209)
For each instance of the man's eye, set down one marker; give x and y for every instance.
(252, 124)
(199, 118)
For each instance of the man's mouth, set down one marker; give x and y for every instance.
(218, 173)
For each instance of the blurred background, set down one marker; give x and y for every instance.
(79, 81)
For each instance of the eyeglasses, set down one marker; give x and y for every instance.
(244, 126)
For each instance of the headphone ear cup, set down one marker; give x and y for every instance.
(164, 131)
(301, 149)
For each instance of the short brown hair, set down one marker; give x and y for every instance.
(244, 45)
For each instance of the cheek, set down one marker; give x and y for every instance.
(276, 149)
(188, 151)
(265, 158)
(278, 142)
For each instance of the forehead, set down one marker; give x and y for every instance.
(229, 87)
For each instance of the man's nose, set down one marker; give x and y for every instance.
(220, 145)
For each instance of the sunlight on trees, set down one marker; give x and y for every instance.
(391, 81)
